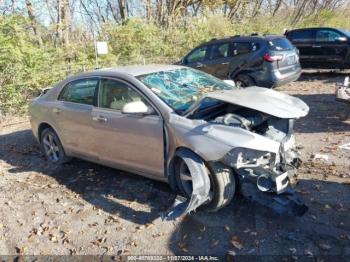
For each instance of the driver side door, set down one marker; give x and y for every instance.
(331, 47)
(128, 141)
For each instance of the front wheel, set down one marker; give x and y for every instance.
(224, 186)
(222, 182)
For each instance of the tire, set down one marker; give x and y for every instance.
(243, 81)
(222, 183)
(52, 148)
(224, 186)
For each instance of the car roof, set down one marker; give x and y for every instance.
(313, 28)
(134, 70)
(242, 38)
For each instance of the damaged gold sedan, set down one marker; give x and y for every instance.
(203, 136)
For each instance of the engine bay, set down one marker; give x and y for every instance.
(237, 116)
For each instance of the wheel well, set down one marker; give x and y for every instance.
(41, 128)
(244, 75)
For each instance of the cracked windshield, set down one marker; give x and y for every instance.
(181, 88)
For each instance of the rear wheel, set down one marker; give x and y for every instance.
(222, 183)
(51, 147)
(243, 81)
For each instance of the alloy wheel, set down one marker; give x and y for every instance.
(51, 147)
(186, 178)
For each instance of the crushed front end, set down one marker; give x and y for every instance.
(267, 167)
(251, 131)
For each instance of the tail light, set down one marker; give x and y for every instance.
(272, 58)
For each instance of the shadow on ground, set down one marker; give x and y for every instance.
(111, 190)
(324, 230)
(324, 116)
(326, 76)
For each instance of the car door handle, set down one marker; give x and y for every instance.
(316, 46)
(56, 110)
(99, 118)
(225, 63)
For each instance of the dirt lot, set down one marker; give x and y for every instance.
(84, 208)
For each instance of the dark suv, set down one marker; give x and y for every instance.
(323, 47)
(266, 61)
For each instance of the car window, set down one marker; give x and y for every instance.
(240, 48)
(302, 35)
(326, 35)
(346, 33)
(219, 51)
(80, 91)
(114, 94)
(197, 55)
(279, 44)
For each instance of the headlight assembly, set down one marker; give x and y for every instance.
(248, 158)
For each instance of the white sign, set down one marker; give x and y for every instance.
(102, 48)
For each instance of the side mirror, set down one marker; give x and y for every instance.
(230, 82)
(342, 39)
(136, 107)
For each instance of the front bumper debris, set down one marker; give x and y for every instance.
(268, 185)
(287, 203)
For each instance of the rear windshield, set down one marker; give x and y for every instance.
(279, 44)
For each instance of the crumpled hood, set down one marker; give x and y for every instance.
(264, 100)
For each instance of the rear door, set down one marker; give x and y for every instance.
(331, 48)
(132, 141)
(72, 113)
(304, 41)
(243, 56)
(217, 62)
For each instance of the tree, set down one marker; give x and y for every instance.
(34, 23)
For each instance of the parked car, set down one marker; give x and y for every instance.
(322, 47)
(175, 124)
(266, 61)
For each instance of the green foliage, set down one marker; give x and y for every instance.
(26, 67)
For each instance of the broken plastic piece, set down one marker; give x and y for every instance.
(320, 157)
(200, 186)
(178, 208)
(345, 146)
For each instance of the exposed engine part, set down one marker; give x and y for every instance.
(240, 121)
(274, 128)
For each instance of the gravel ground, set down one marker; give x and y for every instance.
(84, 208)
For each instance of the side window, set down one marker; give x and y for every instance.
(219, 51)
(114, 94)
(197, 55)
(80, 91)
(240, 48)
(302, 35)
(327, 36)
